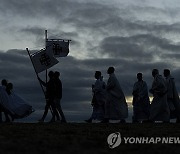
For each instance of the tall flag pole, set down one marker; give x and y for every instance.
(44, 59)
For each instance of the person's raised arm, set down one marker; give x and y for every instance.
(42, 82)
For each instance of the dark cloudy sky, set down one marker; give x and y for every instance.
(131, 35)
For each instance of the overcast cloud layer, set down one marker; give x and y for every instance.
(133, 36)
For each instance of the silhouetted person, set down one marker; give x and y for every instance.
(9, 88)
(98, 100)
(4, 84)
(58, 95)
(172, 96)
(159, 110)
(50, 97)
(116, 107)
(141, 103)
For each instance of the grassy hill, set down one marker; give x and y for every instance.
(83, 138)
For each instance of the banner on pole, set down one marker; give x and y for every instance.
(57, 48)
(43, 61)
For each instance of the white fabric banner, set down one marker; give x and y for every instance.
(43, 60)
(57, 48)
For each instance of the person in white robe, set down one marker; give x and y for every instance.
(13, 104)
(172, 96)
(116, 107)
(159, 109)
(141, 103)
(99, 98)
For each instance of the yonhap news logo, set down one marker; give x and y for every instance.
(115, 139)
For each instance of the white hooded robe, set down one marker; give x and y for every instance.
(159, 110)
(116, 107)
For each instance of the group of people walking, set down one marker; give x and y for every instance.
(15, 107)
(109, 102)
(53, 97)
(108, 99)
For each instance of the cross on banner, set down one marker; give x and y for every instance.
(57, 49)
(45, 60)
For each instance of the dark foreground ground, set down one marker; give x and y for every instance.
(83, 138)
